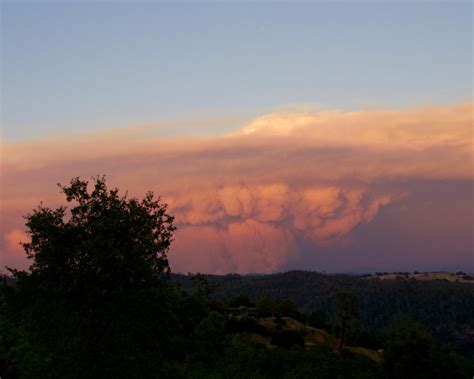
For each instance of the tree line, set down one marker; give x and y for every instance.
(443, 308)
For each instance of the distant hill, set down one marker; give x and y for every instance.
(459, 277)
(444, 307)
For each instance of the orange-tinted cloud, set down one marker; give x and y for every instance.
(245, 201)
(14, 238)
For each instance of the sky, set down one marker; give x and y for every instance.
(330, 136)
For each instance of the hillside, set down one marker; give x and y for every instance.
(312, 336)
(443, 307)
(459, 277)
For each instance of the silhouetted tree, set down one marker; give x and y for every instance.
(95, 299)
(346, 315)
(210, 336)
(266, 307)
(288, 308)
(106, 244)
(240, 300)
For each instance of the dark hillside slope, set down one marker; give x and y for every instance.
(444, 308)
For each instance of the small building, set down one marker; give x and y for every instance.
(242, 310)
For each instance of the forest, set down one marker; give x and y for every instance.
(100, 301)
(442, 307)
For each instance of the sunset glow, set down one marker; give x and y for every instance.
(322, 136)
(279, 190)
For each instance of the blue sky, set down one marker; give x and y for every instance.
(85, 66)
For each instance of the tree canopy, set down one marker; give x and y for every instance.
(95, 298)
(105, 243)
(346, 315)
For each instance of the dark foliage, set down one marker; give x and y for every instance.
(346, 316)
(410, 351)
(444, 308)
(288, 339)
(319, 320)
(95, 300)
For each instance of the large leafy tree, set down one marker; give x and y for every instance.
(105, 244)
(95, 301)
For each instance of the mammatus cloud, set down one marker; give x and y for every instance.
(257, 227)
(246, 201)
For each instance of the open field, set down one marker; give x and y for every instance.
(427, 276)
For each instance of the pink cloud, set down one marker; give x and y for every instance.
(245, 201)
(14, 238)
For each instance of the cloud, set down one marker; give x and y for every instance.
(384, 129)
(248, 200)
(241, 246)
(14, 238)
